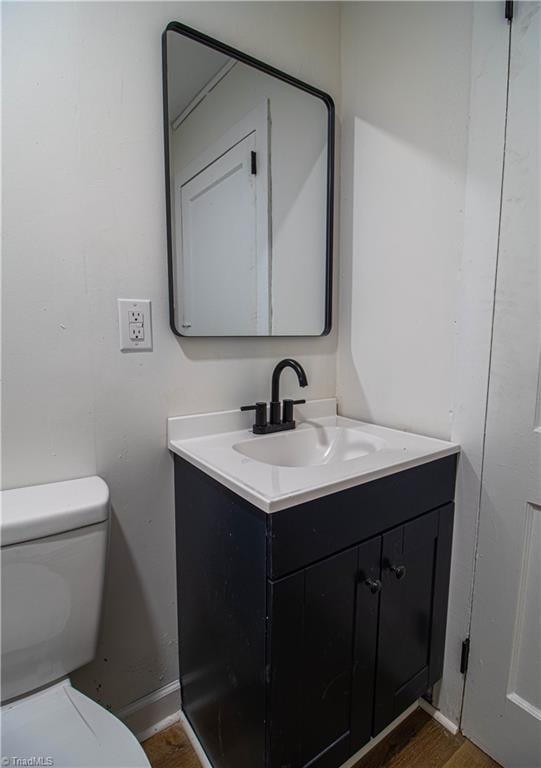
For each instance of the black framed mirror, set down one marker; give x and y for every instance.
(249, 171)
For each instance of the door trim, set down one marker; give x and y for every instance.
(490, 34)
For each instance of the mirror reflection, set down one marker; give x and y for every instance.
(249, 214)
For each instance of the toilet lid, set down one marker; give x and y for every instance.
(66, 729)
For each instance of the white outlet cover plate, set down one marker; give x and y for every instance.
(144, 306)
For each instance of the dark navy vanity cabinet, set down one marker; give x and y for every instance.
(305, 632)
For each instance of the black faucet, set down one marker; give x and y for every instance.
(280, 420)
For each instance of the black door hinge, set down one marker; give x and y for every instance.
(465, 656)
(509, 10)
(253, 161)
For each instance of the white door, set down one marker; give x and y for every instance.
(502, 705)
(219, 246)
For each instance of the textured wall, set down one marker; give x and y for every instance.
(405, 101)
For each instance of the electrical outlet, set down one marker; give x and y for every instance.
(135, 324)
(136, 331)
(135, 316)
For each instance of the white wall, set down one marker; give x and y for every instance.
(84, 223)
(405, 90)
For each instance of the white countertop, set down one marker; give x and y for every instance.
(207, 440)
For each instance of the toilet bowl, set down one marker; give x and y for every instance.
(62, 726)
(53, 541)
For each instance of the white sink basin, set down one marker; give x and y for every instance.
(326, 453)
(311, 445)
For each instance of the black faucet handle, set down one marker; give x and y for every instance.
(288, 409)
(260, 413)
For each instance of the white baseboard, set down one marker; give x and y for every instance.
(194, 741)
(154, 712)
(437, 715)
(160, 709)
(381, 735)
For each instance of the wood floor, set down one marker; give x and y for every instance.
(418, 742)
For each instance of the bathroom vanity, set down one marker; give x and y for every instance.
(313, 556)
(313, 574)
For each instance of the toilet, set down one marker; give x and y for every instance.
(54, 540)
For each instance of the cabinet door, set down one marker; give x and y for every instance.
(415, 568)
(366, 633)
(311, 658)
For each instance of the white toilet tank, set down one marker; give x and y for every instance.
(53, 541)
